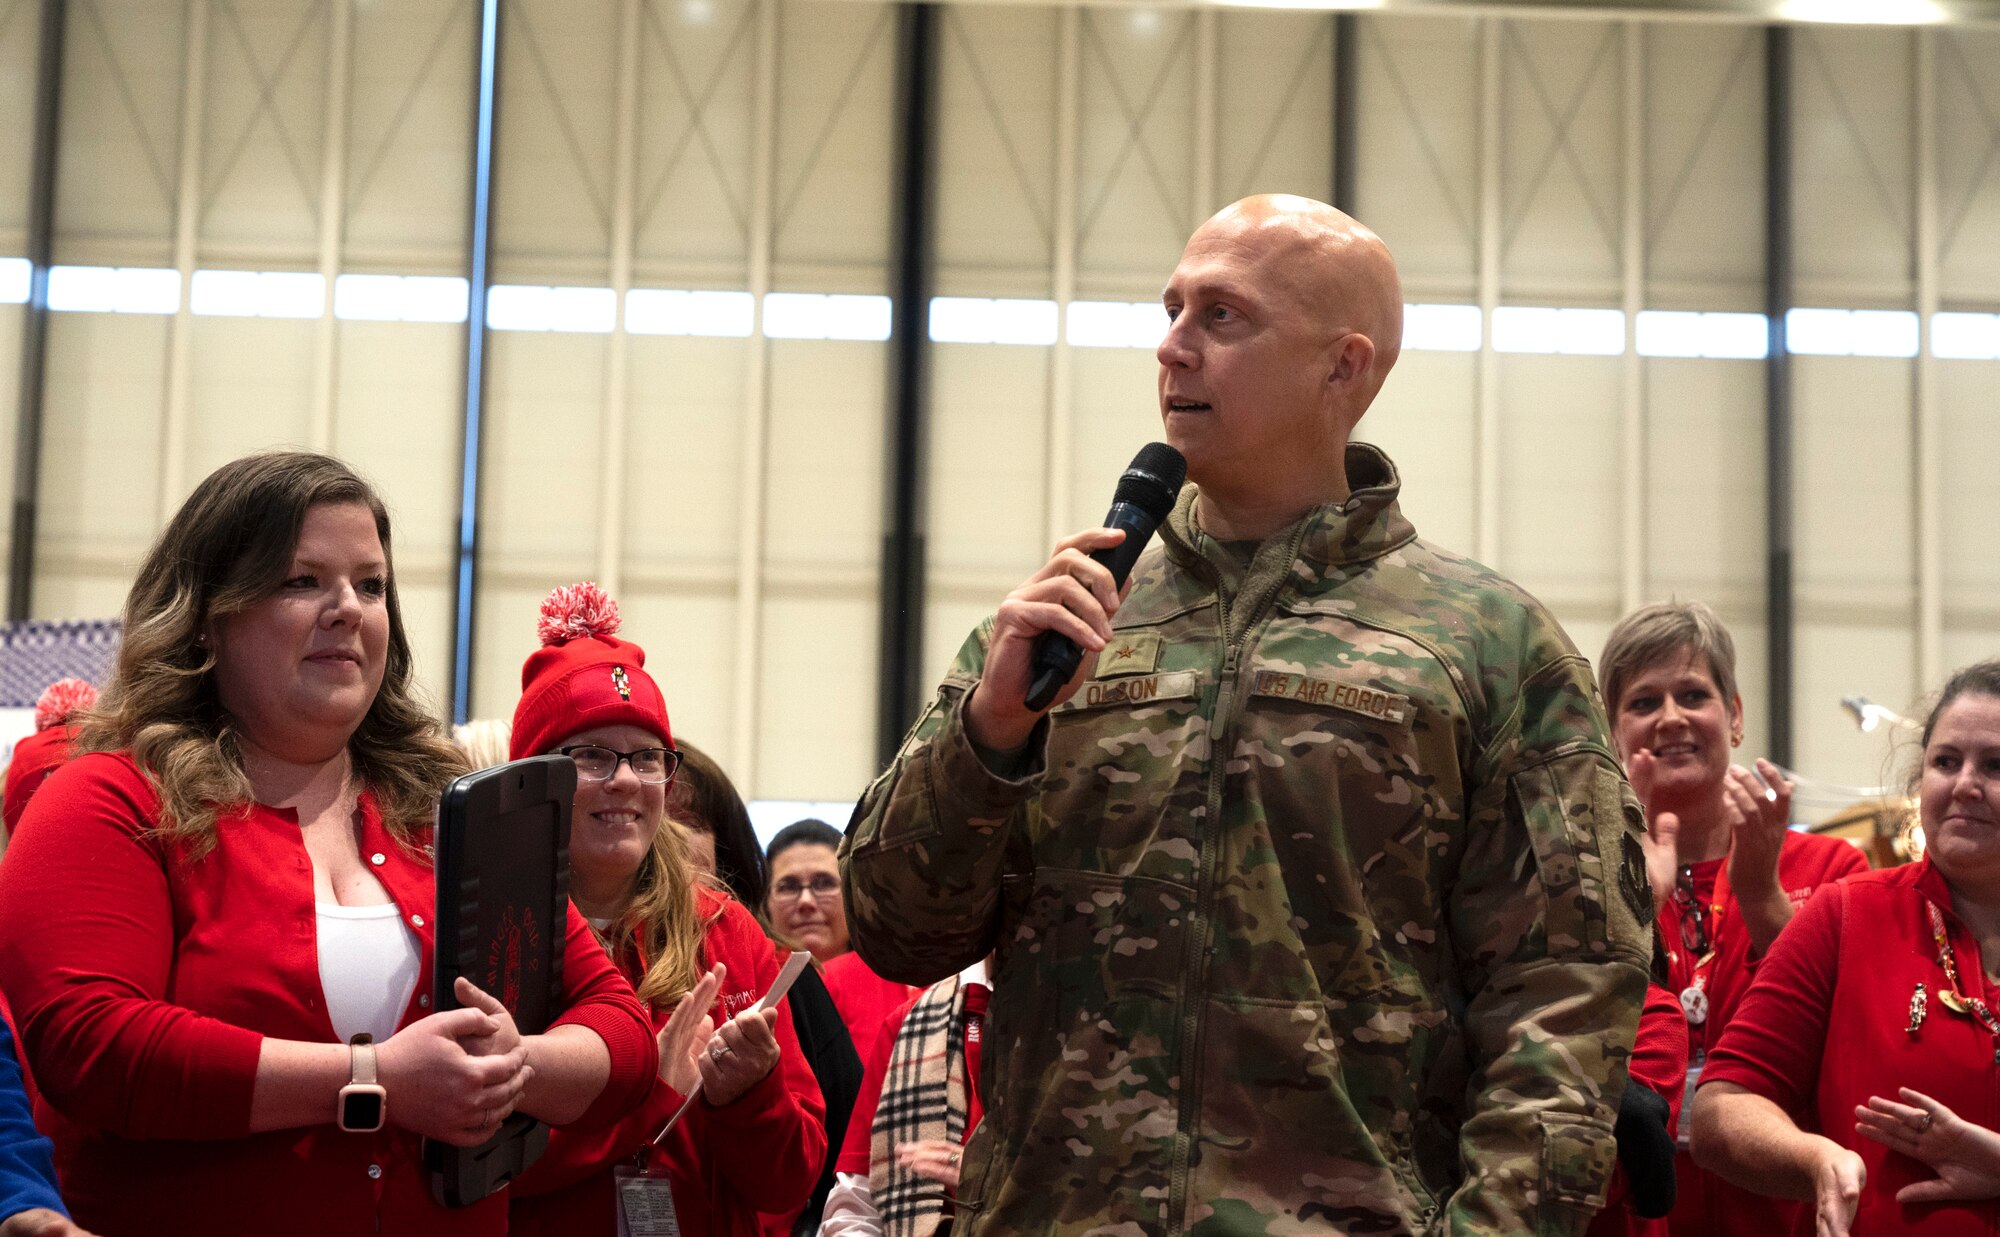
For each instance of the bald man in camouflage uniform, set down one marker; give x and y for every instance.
(1318, 897)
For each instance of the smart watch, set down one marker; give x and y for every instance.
(364, 1103)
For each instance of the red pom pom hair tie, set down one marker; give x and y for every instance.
(64, 699)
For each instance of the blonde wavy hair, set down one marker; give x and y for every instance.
(228, 548)
(664, 918)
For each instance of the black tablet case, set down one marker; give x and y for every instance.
(502, 919)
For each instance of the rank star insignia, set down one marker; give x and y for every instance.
(1124, 653)
(621, 681)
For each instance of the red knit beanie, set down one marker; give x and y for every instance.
(583, 676)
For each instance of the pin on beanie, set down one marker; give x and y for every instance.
(583, 676)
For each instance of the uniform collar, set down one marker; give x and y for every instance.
(1367, 525)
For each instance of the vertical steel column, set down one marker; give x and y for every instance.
(753, 476)
(1061, 448)
(1929, 427)
(332, 218)
(465, 599)
(35, 316)
(1206, 53)
(1778, 621)
(617, 346)
(1486, 423)
(1346, 90)
(187, 237)
(902, 625)
(1632, 274)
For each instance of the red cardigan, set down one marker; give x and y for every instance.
(1826, 1025)
(761, 1153)
(143, 983)
(1706, 1205)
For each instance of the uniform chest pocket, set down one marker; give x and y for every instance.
(1126, 760)
(1350, 760)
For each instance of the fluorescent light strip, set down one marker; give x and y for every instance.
(526, 307)
(1852, 332)
(1116, 324)
(1442, 328)
(114, 289)
(665, 311)
(257, 294)
(1810, 331)
(1727, 336)
(1563, 332)
(979, 320)
(15, 274)
(810, 315)
(1966, 337)
(400, 298)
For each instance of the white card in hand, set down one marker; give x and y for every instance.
(783, 983)
(779, 987)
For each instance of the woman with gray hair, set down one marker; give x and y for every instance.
(1727, 870)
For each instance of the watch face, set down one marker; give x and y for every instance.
(361, 1109)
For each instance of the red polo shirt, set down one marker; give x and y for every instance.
(143, 983)
(1827, 1024)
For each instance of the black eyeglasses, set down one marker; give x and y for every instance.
(651, 765)
(1693, 914)
(791, 889)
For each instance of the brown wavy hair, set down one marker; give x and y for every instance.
(228, 548)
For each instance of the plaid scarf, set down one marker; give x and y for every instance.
(923, 1096)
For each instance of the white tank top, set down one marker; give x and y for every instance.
(367, 968)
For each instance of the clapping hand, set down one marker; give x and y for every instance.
(687, 1033)
(740, 1053)
(1663, 829)
(1759, 813)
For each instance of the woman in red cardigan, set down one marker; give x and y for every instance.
(1880, 996)
(1727, 870)
(214, 928)
(752, 1141)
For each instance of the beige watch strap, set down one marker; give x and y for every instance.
(363, 1048)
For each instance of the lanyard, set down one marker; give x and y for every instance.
(1707, 915)
(1956, 1000)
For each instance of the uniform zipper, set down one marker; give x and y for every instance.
(1194, 964)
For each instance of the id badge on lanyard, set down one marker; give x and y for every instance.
(645, 1203)
(1687, 1100)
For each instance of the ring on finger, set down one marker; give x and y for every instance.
(717, 1051)
(1924, 1123)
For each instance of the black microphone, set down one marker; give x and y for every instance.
(1145, 495)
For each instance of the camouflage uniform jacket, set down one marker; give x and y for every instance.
(1320, 907)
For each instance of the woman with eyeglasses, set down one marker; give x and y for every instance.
(752, 1141)
(1858, 1074)
(1727, 872)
